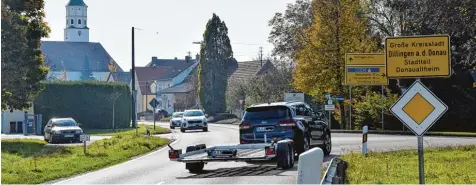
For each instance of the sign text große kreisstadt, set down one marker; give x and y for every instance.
(418, 56)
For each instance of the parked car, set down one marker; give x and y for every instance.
(194, 119)
(176, 120)
(62, 129)
(160, 113)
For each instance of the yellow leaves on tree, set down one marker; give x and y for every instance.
(339, 27)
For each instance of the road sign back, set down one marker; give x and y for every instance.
(418, 108)
(418, 56)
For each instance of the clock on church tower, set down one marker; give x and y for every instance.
(77, 29)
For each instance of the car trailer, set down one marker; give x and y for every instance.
(197, 156)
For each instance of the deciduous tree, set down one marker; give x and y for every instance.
(22, 62)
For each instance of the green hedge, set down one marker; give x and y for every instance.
(89, 103)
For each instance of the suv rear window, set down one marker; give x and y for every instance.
(264, 113)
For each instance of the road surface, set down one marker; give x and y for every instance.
(155, 167)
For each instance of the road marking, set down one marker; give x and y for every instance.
(89, 173)
(160, 183)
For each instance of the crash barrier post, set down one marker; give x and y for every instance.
(336, 172)
(365, 130)
(310, 166)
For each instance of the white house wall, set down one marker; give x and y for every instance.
(16, 116)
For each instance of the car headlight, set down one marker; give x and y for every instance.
(57, 132)
(79, 131)
(205, 120)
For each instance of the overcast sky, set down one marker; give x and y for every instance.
(178, 23)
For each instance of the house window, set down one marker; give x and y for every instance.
(84, 21)
(72, 21)
(79, 21)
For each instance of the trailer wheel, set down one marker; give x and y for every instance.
(195, 167)
(285, 155)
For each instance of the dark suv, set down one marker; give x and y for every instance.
(274, 121)
(315, 123)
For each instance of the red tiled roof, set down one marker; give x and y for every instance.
(145, 74)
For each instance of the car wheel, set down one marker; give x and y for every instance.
(205, 129)
(171, 127)
(182, 130)
(47, 140)
(301, 145)
(327, 146)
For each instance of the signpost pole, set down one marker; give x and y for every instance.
(382, 100)
(84, 146)
(421, 162)
(350, 109)
(330, 119)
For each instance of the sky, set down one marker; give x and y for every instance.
(169, 26)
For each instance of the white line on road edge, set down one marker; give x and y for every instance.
(160, 183)
(89, 173)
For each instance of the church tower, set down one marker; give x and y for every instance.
(76, 22)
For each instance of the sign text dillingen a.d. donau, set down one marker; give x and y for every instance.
(417, 57)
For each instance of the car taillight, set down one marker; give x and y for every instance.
(243, 142)
(270, 151)
(287, 123)
(245, 125)
(174, 154)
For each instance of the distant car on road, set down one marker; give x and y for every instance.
(62, 129)
(176, 120)
(194, 119)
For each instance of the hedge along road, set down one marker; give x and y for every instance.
(17, 136)
(156, 168)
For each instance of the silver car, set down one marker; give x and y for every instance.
(176, 120)
(62, 129)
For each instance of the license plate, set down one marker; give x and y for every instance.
(316, 133)
(264, 129)
(68, 135)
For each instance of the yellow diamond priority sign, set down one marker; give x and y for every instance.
(418, 108)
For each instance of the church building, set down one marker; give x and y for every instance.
(76, 58)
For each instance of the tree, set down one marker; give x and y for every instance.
(287, 28)
(22, 62)
(338, 27)
(215, 55)
(86, 72)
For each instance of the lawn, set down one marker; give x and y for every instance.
(28, 161)
(141, 128)
(448, 165)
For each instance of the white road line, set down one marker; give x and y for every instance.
(160, 183)
(89, 173)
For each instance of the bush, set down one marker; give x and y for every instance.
(89, 103)
(221, 116)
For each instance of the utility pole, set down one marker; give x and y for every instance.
(133, 72)
(261, 55)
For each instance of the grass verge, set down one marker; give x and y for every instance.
(29, 161)
(141, 128)
(448, 165)
(396, 132)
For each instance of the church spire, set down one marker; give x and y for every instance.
(77, 29)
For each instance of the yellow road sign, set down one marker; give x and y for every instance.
(418, 108)
(418, 56)
(365, 59)
(365, 75)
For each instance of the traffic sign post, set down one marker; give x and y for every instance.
(154, 103)
(418, 108)
(329, 107)
(418, 56)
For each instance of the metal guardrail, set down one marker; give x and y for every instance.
(335, 173)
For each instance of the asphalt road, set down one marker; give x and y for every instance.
(155, 167)
(19, 136)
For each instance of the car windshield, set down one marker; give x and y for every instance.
(177, 115)
(64, 123)
(193, 113)
(264, 113)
